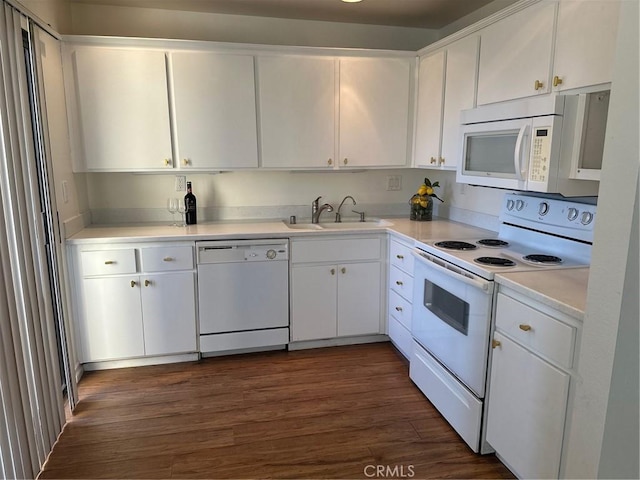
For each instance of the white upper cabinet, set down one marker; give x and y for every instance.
(459, 94)
(374, 111)
(585, 43)
(515, 55)
(123, 109)
(446, 85)
(297, 111)
(430, 108)
(215, 110)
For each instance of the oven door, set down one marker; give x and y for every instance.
(451, 317)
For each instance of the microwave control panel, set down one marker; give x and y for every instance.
(540, 154)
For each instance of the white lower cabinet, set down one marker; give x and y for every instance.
(134, 301)
(529, 388)
(330, 299)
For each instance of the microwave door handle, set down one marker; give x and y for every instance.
(452, 271)
(517, 156)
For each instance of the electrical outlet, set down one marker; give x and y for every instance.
(65, 191)
(181, 183)
(394, 183)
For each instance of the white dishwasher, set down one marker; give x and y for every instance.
(243, 295)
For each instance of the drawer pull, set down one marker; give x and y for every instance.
(109, 262)
(495, 343)
(147, 283)
(133, 283)
(343, 270)
(167, 259)
(524, 327)
(333, 271)
(398, 309)
(399, 283)
(400, 257)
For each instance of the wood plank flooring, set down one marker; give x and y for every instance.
(322, 413)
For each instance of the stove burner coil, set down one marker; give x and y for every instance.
(495, 261)
(543, 259)
(455, 245)
(492, 242)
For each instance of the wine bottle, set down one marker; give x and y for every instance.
(190, 207)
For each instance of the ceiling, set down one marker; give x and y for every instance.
(433, 14)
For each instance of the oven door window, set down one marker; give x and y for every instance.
(447, 307)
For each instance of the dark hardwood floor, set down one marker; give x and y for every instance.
(323, 413)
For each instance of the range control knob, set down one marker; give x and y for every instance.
(572, 214)
(587, 218)
(510, 204)
(543, 209)
(519, 204)
(271, 254)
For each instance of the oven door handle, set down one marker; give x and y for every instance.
(452, 271)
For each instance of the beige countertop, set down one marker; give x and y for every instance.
(411, 230)
(564, 289)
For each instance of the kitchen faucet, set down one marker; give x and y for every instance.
(316, 211)
(338, 216)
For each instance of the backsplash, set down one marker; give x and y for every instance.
(116, 198)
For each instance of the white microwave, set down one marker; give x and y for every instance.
(532, 144)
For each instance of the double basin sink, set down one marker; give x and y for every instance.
(344, 225)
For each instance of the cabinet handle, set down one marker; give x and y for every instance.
(186, 162)
(400, 257)
(398, 309)
(557, 81)
(495, 343)
(329, 162)
(147, 283)
(399, 283)
(441, 161)
(133, 283)
(333, 271)
(525, 327)
(432, 160)
(109, 262)
(346, 160)
(343, 270)
(538, 85)
(167, 162)
(167, 259)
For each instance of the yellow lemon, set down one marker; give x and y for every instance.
(423, 190)
(429, 190)
(423, 203)
(416, 200)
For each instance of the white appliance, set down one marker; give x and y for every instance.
(534, 144)
(243, 295)
(453, 298)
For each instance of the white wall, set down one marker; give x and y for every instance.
(157, 23)
(55, 13)
(595, 448)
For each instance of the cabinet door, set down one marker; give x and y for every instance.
(169, 313)
(313, 302)
(123, 108)
(374, 111)
(430, 102)
(215, 110)
(515, 53)
(359, 299)
(459, 94)
(526, 414)
(297, 111)
(585, 42)
(111, 326)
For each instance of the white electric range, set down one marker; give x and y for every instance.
(453, 297)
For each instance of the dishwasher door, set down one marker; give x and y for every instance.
(242, 287)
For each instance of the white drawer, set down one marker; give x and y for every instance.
(541, 333)
(401, 282)
(401, 257)
(400, 309)
(108, 262)
(163, 259)
(338, 250)
(401, 337)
